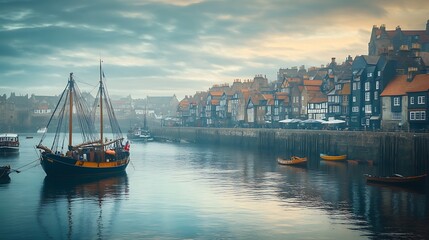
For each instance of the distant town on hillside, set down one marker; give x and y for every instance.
(386, 89)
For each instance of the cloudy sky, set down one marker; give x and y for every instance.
(166, 47)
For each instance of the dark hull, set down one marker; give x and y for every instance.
(4, 174)
(60, 166)
(413, 181)
(9, 150)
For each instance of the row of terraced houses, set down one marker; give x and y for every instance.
(387, 89)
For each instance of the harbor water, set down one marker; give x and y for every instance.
(190, 191)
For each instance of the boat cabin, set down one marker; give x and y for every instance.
(9, 139)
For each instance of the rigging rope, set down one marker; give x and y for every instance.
(25, 165)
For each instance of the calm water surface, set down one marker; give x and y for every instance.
(185, 191)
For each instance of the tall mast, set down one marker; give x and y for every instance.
(145, 112)
(101, 105)
(71, 86)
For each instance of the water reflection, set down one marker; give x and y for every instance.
(80, 208)
(338, 189)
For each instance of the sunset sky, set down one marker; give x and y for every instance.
(166, 47)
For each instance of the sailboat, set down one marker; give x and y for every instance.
(88, 152)
(141, 134)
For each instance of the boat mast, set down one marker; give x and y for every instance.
(144, 119)
(101, 105)
(71, 86)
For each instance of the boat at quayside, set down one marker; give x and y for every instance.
(9, 143)
(88, 153)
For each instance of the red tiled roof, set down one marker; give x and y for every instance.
(399, 86)
(420, 83)
(396, 87)
(312, 82)
(216, 93)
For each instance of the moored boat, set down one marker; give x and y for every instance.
(4, 172)
(293, 161)
(333, 157)
(95, 154)
(42, 130)
(397, 179)
(9, 143)
(138, 134)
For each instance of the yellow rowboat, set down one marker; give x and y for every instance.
(333, 157)
(293, 161)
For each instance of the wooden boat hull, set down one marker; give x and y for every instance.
(293, 162)
(62, 166)
(395, 180)
(333, 157)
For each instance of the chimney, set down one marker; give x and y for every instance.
(349, 59)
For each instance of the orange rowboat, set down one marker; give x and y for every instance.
(293, 161)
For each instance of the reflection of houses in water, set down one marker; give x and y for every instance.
(76, 209)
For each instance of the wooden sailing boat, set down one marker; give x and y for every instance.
(95, 155)
(141, 134)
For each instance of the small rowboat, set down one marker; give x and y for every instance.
(397, 179)
(333, 157)
(293, 161)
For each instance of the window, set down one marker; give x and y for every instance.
(354, 86)
(355, 109)
(376, 95)
(411, 100)
(421, 99)
(418, 115)
(369, 75)
(367, 86)
(377, 85)
(367, 108)
(396, 102)
(379, 73)
(354, 98)
(396, 116)
(367, 96)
